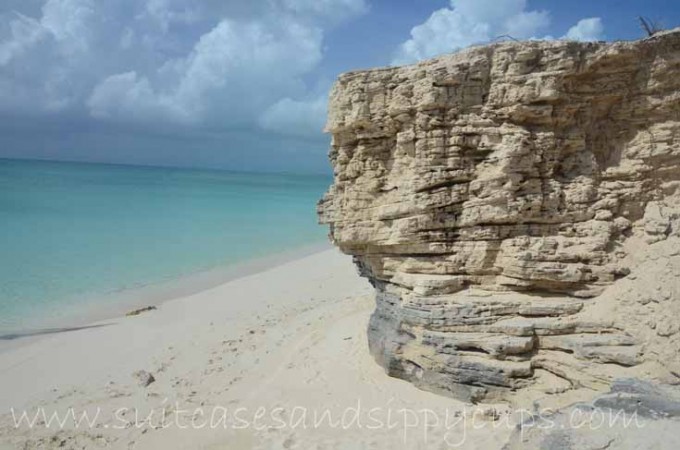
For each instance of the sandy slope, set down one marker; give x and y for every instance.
(263, 357)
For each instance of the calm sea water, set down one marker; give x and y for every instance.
(70, 233)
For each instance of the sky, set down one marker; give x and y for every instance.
(238, 84)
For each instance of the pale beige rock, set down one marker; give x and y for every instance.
(515, 207)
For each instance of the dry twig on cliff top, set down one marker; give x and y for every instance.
(648, 26)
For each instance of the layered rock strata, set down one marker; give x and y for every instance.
(499, 198)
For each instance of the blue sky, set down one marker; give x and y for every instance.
(235, 84)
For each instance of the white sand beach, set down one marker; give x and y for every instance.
(339, 225)
(252, 363)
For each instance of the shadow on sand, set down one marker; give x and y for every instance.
(31, 333)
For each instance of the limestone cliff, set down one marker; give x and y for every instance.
(516, 208)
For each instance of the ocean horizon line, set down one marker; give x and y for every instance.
(328, 174)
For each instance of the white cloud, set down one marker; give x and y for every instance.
(526, 24)
(335, 10)
(231, 75)
(128, 95)
(303, 118)
(214, 63)
(469, 22)
(586, 30)
(72, 24)
(23, 32)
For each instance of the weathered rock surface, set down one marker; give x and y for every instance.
(632, 415)
(516, 207)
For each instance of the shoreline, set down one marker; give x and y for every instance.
(287, 339)
(290, 340)
(117, 304)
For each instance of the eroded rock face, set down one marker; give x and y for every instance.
(497, 199)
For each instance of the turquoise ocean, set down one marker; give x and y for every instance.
(73, 233)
